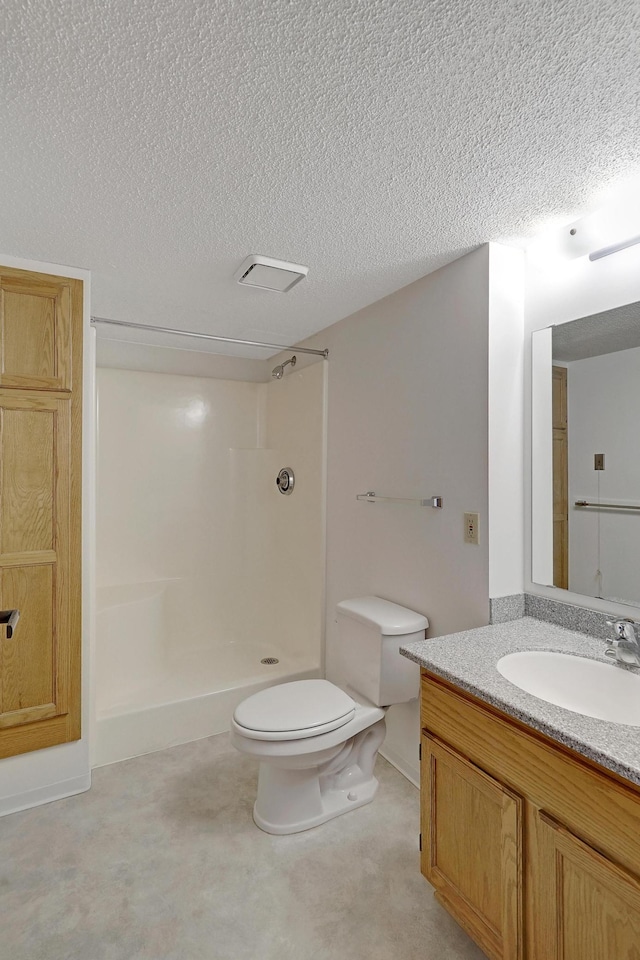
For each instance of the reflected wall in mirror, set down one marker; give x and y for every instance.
(586, 455)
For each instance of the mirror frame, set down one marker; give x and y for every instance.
(542, 459)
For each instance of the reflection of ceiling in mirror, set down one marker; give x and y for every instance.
(598, 334)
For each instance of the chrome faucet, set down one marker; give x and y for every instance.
(623, 644)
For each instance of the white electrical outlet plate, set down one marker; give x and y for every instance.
(471, 521)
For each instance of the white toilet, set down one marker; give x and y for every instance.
(317, 741)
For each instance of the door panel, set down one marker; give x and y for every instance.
(29, 335)
(34, 523)
(40, 509)
(28, 438)
(560, 479)
(27, 659)
(35, 331)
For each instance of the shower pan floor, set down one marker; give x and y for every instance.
(193, 696)
(197, 672)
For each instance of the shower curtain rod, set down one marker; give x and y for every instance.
(207, 336)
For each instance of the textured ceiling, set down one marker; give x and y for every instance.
(597, 334)
(158, 143)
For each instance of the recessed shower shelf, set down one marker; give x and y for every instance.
(372, 497)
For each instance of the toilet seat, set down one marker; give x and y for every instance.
(294, 711)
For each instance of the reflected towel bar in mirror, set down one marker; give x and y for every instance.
(611, 506)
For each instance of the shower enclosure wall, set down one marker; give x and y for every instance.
(204, 570)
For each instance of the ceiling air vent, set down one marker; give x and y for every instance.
(270, 274)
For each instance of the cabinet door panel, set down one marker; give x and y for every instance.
(592, 904)
(472, 849)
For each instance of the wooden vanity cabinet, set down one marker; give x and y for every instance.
(534, 850)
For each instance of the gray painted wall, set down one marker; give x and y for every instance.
(407, 395)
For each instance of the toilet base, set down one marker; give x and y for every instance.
(292, 797)
(334, 803)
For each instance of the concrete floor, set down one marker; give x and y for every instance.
(161, 860)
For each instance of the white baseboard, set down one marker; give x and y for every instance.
(53, 791)
(408, 770)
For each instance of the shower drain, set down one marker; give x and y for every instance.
(269, 660)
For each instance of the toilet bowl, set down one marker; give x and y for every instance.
(317, 748)
(317, 743)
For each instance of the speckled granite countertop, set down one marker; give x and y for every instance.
(469, 659)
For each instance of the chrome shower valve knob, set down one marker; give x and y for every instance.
(285, 480)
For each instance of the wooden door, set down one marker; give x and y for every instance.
(560, 480)
(472, 849)
(40, 508)
(590, 906)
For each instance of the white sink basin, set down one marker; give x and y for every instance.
(595, 689)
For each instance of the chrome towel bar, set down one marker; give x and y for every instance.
(371, 497)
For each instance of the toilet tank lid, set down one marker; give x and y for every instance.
(391, 619)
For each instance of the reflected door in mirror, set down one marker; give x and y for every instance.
(560, 480)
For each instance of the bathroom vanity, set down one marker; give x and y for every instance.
(530, 813)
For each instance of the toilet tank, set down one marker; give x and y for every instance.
(370, 632)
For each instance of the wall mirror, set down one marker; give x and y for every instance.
(586, 455)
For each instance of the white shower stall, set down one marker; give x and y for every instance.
(204, 569)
